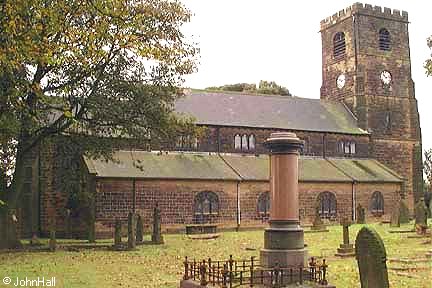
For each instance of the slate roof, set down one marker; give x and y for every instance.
(268, 111)
(234, 167)
(365, 170)
(311, 169)
(142, 164)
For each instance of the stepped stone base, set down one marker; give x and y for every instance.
(345, 250)
(285, 258)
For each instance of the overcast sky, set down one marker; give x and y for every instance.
(278, 40)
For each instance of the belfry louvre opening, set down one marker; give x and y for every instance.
(339, 44)
(384, 40)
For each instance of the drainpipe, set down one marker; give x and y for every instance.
(354, 215)
(324, 139)
(238, 189)
(238, 206)
(218, 139)
(133, 195)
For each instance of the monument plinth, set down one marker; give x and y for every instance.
(283, 240)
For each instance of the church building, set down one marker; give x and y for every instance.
(362, 146)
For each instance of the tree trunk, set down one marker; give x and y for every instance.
(8, 215)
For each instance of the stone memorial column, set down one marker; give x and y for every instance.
(283, 240)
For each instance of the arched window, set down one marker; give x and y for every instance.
(352, 147)
(263, 204)
(347, 148)
(384, 40)
(195, 143)
(305, 149)
(340, 147)
(251, 142)
(377, 203)
(244, 142)
(206, 205)
(339, 44)
(327, 205)
(237, 142)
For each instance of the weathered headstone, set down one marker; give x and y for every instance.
(91, 233)
(421, 212)
(52, 242)
(371, 259)
(421, 216)
(345, 249)
(68, 223)
(34, 241)
(139, 230)
(317, 223)
(131, 231)
(430, 207)
(117, 235)
(404, 216)
(395, 218)
(157, 237)
(361, 215)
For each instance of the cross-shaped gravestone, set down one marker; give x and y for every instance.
(318, 224)
(131, 231)
(346, 249)
(361, 217)
(395, 217)
(139, 230)
(117, 235)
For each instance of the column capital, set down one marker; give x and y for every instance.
(283, 143)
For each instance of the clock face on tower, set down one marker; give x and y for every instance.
(385, 77)
(340, 81)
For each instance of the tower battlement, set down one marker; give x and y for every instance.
(364, 9)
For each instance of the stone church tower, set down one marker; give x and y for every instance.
(366, 65)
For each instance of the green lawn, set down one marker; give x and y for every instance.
(161, 266)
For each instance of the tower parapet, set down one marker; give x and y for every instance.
(364, 9)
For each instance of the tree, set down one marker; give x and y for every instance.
(264, 87)
(86, 67)
(428, 62)
(427, 166)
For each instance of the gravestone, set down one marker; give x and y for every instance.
(345, 249)
(421, 216)
(91, 233)
(52, 242)
(361, 215)
(395, 218)
(139, 230)
(404, 216)
(157, 237)
(34, 241)
(430, 207)
(117, 235)
(317, 223)
(371, 259)
(131, 231)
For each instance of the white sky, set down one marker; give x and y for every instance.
(278, 40)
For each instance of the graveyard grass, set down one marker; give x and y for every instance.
(161, 265)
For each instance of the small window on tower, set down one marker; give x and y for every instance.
(384, 39)
(339, 45)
